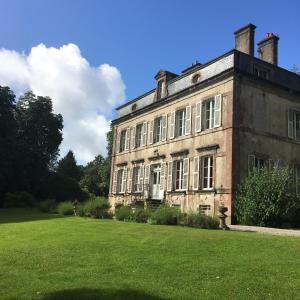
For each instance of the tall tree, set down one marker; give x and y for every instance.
(8, 130)
(67, 166)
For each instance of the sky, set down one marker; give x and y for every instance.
(92, 56)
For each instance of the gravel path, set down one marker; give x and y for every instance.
(274, 231)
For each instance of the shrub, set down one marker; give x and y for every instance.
(165, 215)
(123, 213)
(65, 208)
(96, 207)
(19, 199)
(200, 221)
(141, 215)
(266, 198)
(47, 205)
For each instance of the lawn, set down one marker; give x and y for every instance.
(43, 256)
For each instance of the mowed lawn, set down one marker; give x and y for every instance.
(43, 256)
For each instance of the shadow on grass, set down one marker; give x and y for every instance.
(106, 294)
(17, 215)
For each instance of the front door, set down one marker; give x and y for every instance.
(155, 190)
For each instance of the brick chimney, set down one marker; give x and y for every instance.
(268, 48)
(244, 39)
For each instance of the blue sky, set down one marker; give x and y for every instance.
(141, 37)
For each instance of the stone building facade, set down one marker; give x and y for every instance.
(192, 139)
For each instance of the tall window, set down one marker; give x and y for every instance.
(180, 122)
(259, 163)
(122, 140)
(159, 93)
(157, 130)
(119, 181)
(207, 171)
(297, 179)
(136, 179)
(178, 174)
(138, 135)
(297, 125)
(209, 114)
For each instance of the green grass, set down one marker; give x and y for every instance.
(48, 257)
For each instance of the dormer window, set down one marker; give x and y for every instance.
(134, 107)
(195, 78)
(160, 89)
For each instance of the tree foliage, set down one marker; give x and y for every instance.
(67, 166)
(267, 197)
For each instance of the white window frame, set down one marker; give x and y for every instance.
(136, 179)
(177, 119)
(210, 172)
(157, 129)
(119, 180)
(138, 135)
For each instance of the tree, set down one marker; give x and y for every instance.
(38, 138)
(267, 197)
(8, 131)
(67, 166)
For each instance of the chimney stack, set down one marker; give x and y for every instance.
(244, 39)
(268, 48)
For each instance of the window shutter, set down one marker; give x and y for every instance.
(118, 142)
(162, 176)
(172, 125)
(150, 126)
(290, 124)
(164, 128)
(169, 180)
(196, 173)
(144, 134)
(251, 163)
(129, 181)
(146, 181)
(188, 120)
(132, 134)
(114, 187)
(141, 169)
(127, 139)
(124, 179)
(198, 117)
(218, 110)
(185, 181)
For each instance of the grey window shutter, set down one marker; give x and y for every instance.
(291, 124)
(150, 126)
(196, 173)
(172, 125)
(144, 134)
(132, 134)
(185, 181)
(218, 111)
(141, 178)
(251, 163)
(127, 139)
(118, 142)
(162, 176)
(170, 180)
(164, 128)
(146, 181)
(114, 187)
(188, 120)
(129, 182)
(124, 180)
(198, 117)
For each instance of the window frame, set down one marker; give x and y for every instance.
(136, 178)
(138, 135)
(296, 131)
(122, 145)
(119, 181)
(208, 114)
(180, 116)
(180, 173)
(210, 173)
(157, 130)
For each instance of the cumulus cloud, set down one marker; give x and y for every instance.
(83, 94)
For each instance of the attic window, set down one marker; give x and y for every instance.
(160, 86)
(134, 107)
(195, 78)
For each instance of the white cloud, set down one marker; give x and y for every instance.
(83, 94)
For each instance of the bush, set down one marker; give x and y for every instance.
(165, 215)
(124, 213)
(47, 205)
(266, 198)
(65, 208)
(19, 199)
(200, 221)
(96, 207)
(141, 215)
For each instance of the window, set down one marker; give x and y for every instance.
(119, 180)
(260, 72)
(157, 130)
(136, 178)
(134, 107)
(209, 114)
(259, 163)
(180, 122)
(138, 135)
(297, 179)
(159, 93)
(207, 171)
(178, 174)
(122, 140)
(195, 78)
(296, 125)
(204, 210)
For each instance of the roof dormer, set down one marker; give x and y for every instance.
(162, 77)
